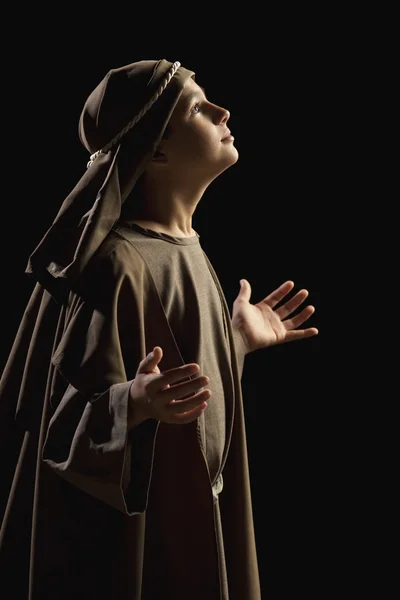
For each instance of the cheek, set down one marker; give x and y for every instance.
(201, 142)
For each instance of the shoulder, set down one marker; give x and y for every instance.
(119, 252)
(116, 263)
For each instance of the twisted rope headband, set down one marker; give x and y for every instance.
(137, 118)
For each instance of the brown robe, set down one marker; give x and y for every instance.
(143, 518)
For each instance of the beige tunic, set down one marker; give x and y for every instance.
(193, 309)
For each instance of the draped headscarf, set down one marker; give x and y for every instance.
(121, 125)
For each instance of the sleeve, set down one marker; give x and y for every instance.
(104, 338)
(88, 443)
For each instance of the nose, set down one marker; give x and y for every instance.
(222, 115)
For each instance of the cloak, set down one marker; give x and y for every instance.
(89, 509)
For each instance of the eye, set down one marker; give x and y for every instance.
(196, 109)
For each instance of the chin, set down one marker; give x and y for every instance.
(233, 158)
(217, 167)
(236, 155)
(227, 165)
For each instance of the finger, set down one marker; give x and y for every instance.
(172, 376)
(189, 416)
(299, 319)
(278, 294)
(179, 407)
(300, 334)
(181, 390)
(291, 305)
(245, 290)
(150, 362)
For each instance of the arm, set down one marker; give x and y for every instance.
(102, 434)
(91, 440)
(240, 349)
(104, 443)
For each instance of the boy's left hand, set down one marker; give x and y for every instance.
(262, 325)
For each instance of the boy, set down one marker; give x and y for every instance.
(121, 396)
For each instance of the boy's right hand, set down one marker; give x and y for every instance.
(165, 396)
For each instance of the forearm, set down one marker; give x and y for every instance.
(136, 412)
(240, 348)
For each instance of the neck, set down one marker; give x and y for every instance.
(166, 208)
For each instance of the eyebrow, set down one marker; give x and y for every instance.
(196, 94)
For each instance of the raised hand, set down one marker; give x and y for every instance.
(262, 325)
(175, 396)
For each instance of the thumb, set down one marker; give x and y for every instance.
(245, 290)
(150, 361)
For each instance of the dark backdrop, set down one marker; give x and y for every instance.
(260, 220)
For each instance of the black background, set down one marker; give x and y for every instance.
(260, 220)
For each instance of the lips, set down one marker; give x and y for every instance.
(226, 135)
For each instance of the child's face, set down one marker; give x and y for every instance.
(197, 128)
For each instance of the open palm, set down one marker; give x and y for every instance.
(263, 325)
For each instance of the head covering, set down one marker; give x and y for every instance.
(121, 125)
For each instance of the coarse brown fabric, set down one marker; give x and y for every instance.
(90, 509)
(96, 537)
